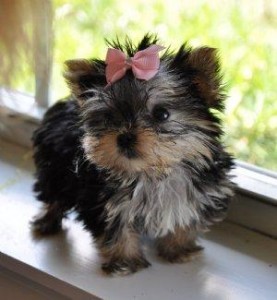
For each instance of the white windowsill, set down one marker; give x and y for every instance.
(237, 263)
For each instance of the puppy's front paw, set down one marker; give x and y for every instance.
(45, 226)
(180, 254)
(123, 267)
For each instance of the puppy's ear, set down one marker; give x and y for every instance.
(83, 75)
(201, 67)
(206, 81)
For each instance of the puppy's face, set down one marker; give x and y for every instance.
(135, 126)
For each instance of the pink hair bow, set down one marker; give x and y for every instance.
(144, 63)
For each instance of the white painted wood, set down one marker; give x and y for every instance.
(237, 264)
(17, 103)
(254, 214)
(258, 183)
(19, 116)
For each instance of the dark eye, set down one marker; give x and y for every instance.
(160, 113)
(87, 95)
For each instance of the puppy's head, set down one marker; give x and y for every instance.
(134, 126)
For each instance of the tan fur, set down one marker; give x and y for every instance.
(154, 153)
(195, 148)
(205, 60)
(179, 246)
(205, 124)
(127, 246)
(151, 156)
(79, 66)
(105, 153)
(75, 69)
(207, 92)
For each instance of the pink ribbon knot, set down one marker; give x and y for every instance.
(144, 64)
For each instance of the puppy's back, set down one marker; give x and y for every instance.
(56, 143)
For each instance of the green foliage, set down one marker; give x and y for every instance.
(243, 31)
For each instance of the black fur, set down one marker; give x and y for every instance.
(69, 178)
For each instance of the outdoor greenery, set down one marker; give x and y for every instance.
(243, 31)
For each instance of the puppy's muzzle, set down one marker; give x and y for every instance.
(126, 143)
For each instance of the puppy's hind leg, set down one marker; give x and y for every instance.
(49, 221)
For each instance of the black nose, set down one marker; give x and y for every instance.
(126, 140)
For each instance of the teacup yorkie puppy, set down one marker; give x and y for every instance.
(136, 151)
